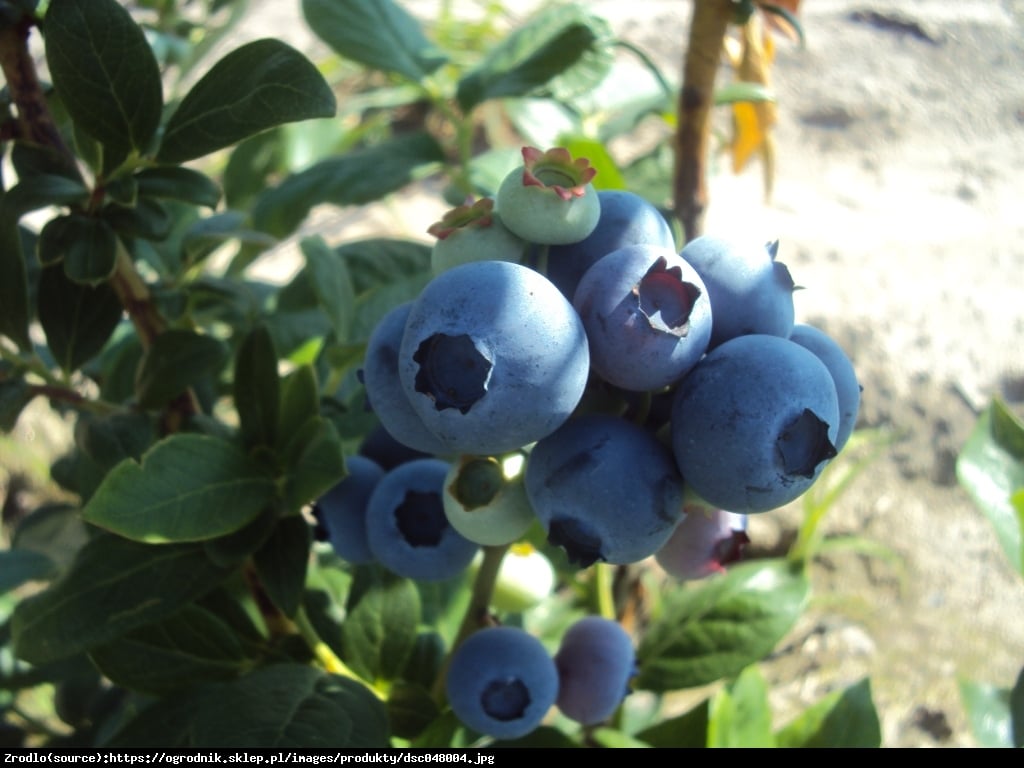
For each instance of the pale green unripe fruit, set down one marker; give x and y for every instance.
(473, 232)
(549, 199)
(485, 499)
(525, 578)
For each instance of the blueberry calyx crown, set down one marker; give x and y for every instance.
(665, 299)
(476, 214)
(558, 171)
(452, 371)
(421, 519)
(505, 699)
(804, 444)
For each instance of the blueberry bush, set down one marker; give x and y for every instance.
(488, 486)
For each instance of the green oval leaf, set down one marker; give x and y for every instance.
(105, 74)
(188, 487)
(282, 561)
(89, 250)
(14, 396)
(178, 183)
(355, 178)
(844, 718)
(331, 283)
(18, 566)
(379, 34)
(14, 310)
(561, 52)
(111, 439)
(740, 715)
(256, 388)
(991, 469)
(381, 617)
(720, 626)
(176, 360)
(77, 319)
(42, 190)
(315, 462)
(147, 219)
(263, 84)
(193, 646)
(689, 729)
(109, 590)
(300, 402)
(290, 706)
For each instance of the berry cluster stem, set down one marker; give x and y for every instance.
(478, 612)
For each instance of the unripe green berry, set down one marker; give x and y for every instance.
(485, 499)
(473, 232)
(549, 199)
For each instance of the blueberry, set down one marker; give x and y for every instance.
(406, 527)
(525, 578)
(342, 510)
(750, 291)
(703, 543)
(493, 357)
(848, 388)
(604, 489)
(595, 662)
(485, 500)
(754, 423)
(380, 446)
(384, 390)
(626, 219)
(647, 317)
(549, 199)
(473, 232)
(501, 682)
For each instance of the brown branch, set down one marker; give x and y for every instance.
(35, 123)
(696, 99)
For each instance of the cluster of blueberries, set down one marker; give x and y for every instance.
(568, 365)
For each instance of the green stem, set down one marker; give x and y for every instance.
(604, 589)
(326, 657)
(73, 398)
(646, 60)
(477, 613)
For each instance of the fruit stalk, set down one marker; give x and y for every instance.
(477, 612)
(696, 98)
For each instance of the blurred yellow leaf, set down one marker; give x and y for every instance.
(751, 59)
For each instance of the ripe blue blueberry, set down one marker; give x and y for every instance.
(493, 357)
(604, 489)
(843, 374)
(406, 527)
(754, 423)
(342, 510)
(647, 317)
(549, 199)
(626, 219)
(501, 682)
(595, 662)
(384, 390)
(380, 446)
(750, 291)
